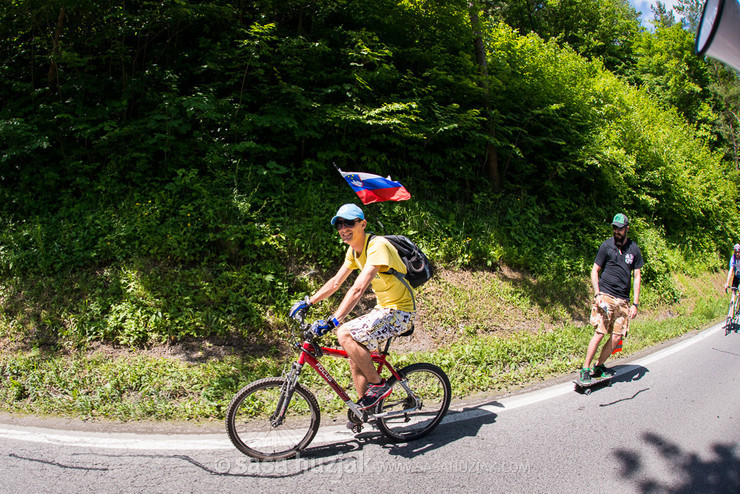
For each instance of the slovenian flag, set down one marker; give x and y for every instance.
(374, 188)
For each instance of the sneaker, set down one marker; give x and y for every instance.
(600, 371)
(585, 375)
(374, 393)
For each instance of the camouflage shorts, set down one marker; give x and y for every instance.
(378, 325)
(615, 321)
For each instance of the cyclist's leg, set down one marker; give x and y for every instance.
(362, 335)
(360, 362)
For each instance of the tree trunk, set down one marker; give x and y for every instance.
(53, 77)
(492, 167)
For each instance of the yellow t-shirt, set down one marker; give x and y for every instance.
(389, 290)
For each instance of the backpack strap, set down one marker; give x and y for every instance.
(401, 277)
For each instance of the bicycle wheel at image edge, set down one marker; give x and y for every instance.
(732, 315)
(432, 389)
(249, 420)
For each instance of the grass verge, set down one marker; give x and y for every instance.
(134, 386)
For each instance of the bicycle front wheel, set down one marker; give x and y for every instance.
(407, 416)
(251, 424)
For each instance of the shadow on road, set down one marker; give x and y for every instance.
(57, 464)
(628, 373)
(718, 473)
(453, 428)
(448, 432)
(333, 459)
(346, 457)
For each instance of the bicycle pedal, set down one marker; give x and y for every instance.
(354, 418)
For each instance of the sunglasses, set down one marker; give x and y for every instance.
(342, 223)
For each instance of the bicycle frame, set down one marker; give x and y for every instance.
(310, 354)
(732, 312)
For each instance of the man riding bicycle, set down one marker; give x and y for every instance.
(394, 313)
(732, 273)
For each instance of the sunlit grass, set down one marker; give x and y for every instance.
(128, 386)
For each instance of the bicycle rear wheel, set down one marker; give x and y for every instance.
(250, 415)
(410, 416)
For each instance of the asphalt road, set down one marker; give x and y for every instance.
(670, 422)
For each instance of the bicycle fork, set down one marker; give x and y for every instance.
(286, 394)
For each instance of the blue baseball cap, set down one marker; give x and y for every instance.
(348, 212)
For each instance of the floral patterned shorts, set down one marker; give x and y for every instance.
(378, 325)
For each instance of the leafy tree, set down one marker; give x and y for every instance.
(481, 56)
(174, 158)
(725, 87)
(668, 69)
(705, 92)
(597, 29)
(690, 12)
(662, 17)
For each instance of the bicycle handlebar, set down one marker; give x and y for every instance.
(304, 328)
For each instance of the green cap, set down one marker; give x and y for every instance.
(620, 220)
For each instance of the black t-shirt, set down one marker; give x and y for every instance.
(616, 267)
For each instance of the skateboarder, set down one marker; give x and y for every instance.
(618, 257)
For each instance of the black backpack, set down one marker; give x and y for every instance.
(418, 267)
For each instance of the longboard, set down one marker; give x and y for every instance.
(586, 388)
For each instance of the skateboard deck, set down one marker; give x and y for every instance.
(586, 388)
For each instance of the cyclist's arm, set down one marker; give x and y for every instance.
(354, 294)
(331, 286)
(729, 276)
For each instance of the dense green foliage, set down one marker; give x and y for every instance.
(166, 168)
(130, 386)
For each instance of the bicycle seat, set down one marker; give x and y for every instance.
(408, 332)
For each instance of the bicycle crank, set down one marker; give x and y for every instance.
(355, 423)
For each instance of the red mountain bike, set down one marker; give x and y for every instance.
(276, 417)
